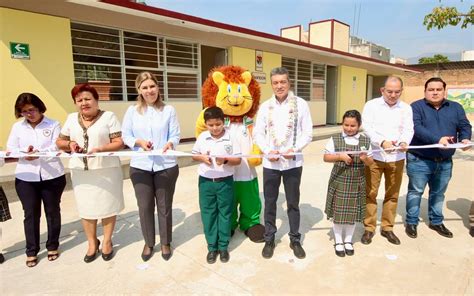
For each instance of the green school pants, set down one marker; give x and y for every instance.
(216, 201)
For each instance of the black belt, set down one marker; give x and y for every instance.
(221, 179)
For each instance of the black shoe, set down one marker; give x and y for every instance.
(166, 256)
(224, 255)
(410, 230)
(442, 230)
(211, 257)
(109, 256)
(349, 252)
(267, 251)
(2, 259)
(232, 232)
(339, 253)
(297, 250)
(90, 258)
(367, 237)
(471, 231)
(147, 255)
(390, 236)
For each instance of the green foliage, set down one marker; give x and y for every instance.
(437, 58)
(441, 17)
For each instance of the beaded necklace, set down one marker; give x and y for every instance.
(291, 126)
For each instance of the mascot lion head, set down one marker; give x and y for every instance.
(234, 90)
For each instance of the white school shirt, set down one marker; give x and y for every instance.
(42, 138)
(349, 140)
(222, 146)
(157, 126)
(280, 118)
(390, 123)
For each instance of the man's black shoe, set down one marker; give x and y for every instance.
(390, 236)
(442, 230)
(211, 257)
(410, 230)
(267, 251)
(367, 237)
(471, 231)
(224, 255)
(297, 250)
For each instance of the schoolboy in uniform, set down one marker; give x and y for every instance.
(216, 193)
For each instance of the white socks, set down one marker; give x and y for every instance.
(348, 231)
(337, 229)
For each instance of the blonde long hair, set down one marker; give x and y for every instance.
(141, 104)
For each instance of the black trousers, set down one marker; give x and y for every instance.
(31, 194)
(271, 185)
(155, 188)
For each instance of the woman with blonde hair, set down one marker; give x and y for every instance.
(152, 125)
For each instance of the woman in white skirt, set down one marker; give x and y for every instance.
(97, 181)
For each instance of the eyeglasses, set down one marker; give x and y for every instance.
(29, 112)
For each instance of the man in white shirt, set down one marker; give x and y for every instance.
(389, 123)
(283, 126)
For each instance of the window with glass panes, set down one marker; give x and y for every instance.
(307, 78)
(110, 59)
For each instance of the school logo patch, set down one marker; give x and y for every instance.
(46, 132)
(228, 149)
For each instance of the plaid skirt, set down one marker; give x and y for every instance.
(4, 209)
(346, 195)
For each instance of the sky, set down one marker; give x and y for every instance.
(396, 24)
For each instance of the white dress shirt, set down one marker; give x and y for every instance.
(223, 146)
(157, 126)
(42, 138)
(281, 119)
(387, 123)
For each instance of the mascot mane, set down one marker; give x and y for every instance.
(232, 74)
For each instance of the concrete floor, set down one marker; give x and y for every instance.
(430, 264)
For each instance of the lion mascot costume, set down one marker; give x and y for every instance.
(237, 93)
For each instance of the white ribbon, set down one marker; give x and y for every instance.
(174, 153)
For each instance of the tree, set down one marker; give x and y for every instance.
(441, 17)
(437, 58)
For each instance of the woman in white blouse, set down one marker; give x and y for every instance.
(97, 181)
(37, 179)
(152, 125)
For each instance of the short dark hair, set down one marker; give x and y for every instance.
(28, 98)
(84, 87)
(280, 71)
(435, 79)
(353, 114)
(213, 113)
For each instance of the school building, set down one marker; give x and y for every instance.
(47, 46)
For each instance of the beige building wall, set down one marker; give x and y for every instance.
(320, 34)
(318, 112)
(245, 57)
(352, 90)
(414, 83)
(293, 33)
(48, 73)
(341, 37)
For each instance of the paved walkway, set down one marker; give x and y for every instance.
(430, 264)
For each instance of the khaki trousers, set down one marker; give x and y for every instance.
(392, 172)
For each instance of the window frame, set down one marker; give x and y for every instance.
(161, 61)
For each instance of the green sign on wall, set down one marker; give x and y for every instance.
(20, 50)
